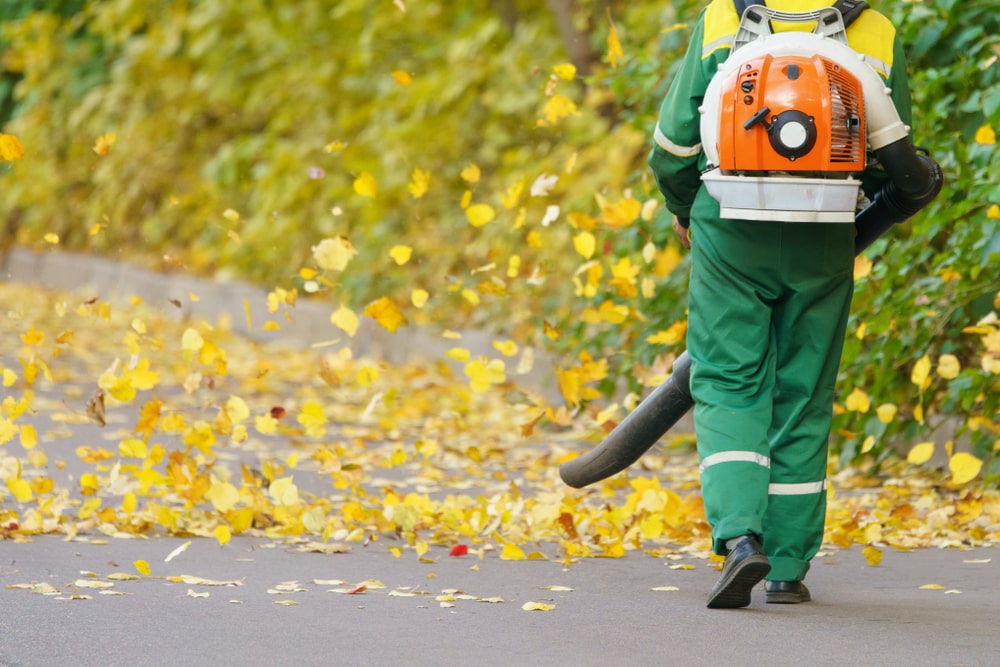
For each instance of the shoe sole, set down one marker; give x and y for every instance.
(734, 592)
(787, 598)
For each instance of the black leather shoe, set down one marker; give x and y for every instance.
(786, 592)
(745, 566)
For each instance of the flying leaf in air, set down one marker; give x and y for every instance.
(385, 311)
(480, 214)
(964, 467)
(366, 185)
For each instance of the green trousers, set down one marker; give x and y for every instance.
(768, 306)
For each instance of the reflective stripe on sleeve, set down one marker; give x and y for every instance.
(724, 42)
(676, 149)
(734, 457)
(802, 489)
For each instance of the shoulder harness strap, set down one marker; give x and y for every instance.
(849, 9)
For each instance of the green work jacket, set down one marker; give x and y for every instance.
(677, 159)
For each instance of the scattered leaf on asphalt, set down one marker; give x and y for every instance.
(200, 581)
(537, 606)
(177, 552)
(665, 588)
(873, 555)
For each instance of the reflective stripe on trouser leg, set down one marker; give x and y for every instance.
(729, 340)
(809, 337)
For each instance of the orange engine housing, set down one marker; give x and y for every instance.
(791, 114)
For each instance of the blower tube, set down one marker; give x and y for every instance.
(914, 180)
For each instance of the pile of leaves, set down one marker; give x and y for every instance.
(122, 420)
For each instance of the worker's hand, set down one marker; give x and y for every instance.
(683, 231)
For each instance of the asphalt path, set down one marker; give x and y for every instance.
(258, 602)
(284, 607)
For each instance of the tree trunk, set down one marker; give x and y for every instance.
(508, 13)
(577, 41)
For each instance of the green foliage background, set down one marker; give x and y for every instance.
(219, 105)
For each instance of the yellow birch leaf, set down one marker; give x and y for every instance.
(565, 71)
(858, 401)
(284, 491)
(512, 195)
(507, 348)
(585, 244)
(223, 496)
(334, 254)
(615, 52)
(313, 418)
(920, 453)
(51, 238)
(366, 185)
(873, 555)
(886, 413)
(921, 372)
(459, 354)
(402, 78)
(10, 148)
(222, 534)
(132, 448)
(142, 567)
(479, 214)
(933, 587)
(418, 297)
(266, 424)
(512, 552)
(471, 296)
(993, 212)
(345, 319)
(964, 467)
(385, 311)
(948, 366)
(21, 489)
(401, 254)
(420, 181)
(558, 107)
(104, 143)
(862, 267)
(537, 606)
(986, 136)
(191, 340)
(918, 414)
(471, 174)
(29, 437)
(868, 444)
(621, 213)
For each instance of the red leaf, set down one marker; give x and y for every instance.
(277, 412)
(458, 550)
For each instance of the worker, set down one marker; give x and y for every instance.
(768, 306)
